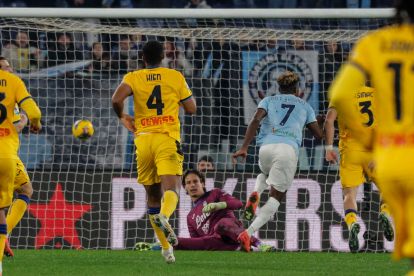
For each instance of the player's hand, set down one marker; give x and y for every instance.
(128, 122)
(215, 206)
(320, 119)
(331, 156)
(240, 153)
(35, 127)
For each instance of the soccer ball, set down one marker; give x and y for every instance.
(82, 129)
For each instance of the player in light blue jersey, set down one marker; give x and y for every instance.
(283, 118)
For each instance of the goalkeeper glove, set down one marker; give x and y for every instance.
(215, 206)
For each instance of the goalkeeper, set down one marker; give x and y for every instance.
(211, 221)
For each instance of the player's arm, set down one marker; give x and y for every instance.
(250, 133)
(27, 104)
(315, 130)
(30, 107)
(224, 201)
(122, 92)
(187, 100)
(312, 122)
(19, 125)
(189, 105)
(329, 127)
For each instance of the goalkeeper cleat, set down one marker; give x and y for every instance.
(353, 237)
(162, 222)
(251, 206)
(7, 250)
(386, 227)
(244, 240)
(168, 255)
(267, 248)
(143, 246)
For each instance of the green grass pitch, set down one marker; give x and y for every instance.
(100, 262)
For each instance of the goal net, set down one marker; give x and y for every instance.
(85, 193)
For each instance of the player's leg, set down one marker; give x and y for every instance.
(350, 208)
(283, 162)
(384, 215)
(7, 175)
(212, 242)
(169, 162)
(229, 228)
(147, 175)
(23, 188)
(351, 173)
(265, 164)
(408, 247)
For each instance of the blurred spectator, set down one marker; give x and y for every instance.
(198, 4)
(63, 51)
(331, 59)
(243, 4)
(175, 59)
(206, 163)
(125, 56)
(101, 60)
(117, 3)
(20, 54)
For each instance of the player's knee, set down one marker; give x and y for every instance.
(277, 194)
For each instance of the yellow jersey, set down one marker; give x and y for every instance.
(12, 91)
(387, 58)
(157, 94)
(364, 109)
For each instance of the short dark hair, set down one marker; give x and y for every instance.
(206, 158)
(404, 8)
(196, 172)
(153, 52)
(288, 82)
(2, 58)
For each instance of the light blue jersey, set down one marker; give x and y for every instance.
(285, 119)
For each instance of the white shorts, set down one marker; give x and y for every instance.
(278, 162)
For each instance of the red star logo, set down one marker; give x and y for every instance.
(58, 219)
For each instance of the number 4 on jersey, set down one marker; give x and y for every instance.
(158, 105)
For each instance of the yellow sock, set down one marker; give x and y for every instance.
(3, 237)
(384, 209)
(15, 214)
(160, 235)
(168, 203)
(350, 217)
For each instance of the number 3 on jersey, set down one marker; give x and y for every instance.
(365, 110)
(156, 95)
(3, 109)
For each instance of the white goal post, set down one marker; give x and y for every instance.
(85, 193)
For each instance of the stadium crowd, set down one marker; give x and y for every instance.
(200, 3)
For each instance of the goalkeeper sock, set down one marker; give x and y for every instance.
(266, 213)
(3, 237)
(168, 203)
(16, 211)
(260, 184)
(350, 217)
(158, 232)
